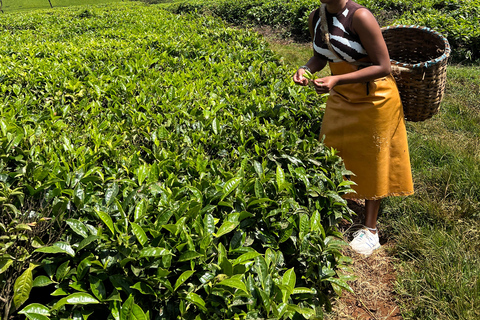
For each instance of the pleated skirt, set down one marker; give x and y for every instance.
(365, 123)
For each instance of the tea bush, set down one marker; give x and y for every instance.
(457, 20)
(161, 167)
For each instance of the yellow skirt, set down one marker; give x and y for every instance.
(365, 123)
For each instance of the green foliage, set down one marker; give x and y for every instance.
(177, 165)
(291, 16)
(24, 5)
(457, 20)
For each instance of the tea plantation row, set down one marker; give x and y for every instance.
(156, 166)
(458, 20)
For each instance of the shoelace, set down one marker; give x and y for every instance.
(358, 232)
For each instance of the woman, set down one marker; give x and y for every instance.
(364, 116)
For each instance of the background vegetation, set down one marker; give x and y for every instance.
(456, 19)
(14, 5)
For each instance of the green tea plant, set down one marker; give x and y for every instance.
(161, 167)
(457, 20)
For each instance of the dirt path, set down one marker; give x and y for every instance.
(374, 296)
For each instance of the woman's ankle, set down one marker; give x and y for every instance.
(372, 230)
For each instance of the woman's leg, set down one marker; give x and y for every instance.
(366, 241)
(371, 213)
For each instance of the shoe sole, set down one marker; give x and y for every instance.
(369, 252)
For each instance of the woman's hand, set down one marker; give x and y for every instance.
(299, 78)
(324, 85)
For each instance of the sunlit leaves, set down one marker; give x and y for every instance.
(225, 228)
(153, 252)
(22, 287)
(186, 176)
(78, 227)
(230, 186)
(131, 311)
(36, 311)
(58, 247)
(197, 300)
(78, 298)
(139, 233)
(107, 220)
(111, 193)
(234, 283)
(183, 277)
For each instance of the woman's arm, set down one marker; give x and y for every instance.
(315, 63)
(367, 28)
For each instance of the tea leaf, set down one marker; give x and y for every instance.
(143, 288)
(209, 224)
(216, 126)
(231, 185)
(139, 233)
(58, 247)
(22, 287)
(111, 193)
(340, 283)
(35, 308)
(182, 278)
(4, 264)
(42, 281)
(153, 252)
(140, 210)
(245, 257)
(85, 242)
(302, 290)
(138, 313)
(258, 169)
(225, 228)
(280, 178)
(197, 300)
(142, 173)
(189, 255)
(234, 283)
(78, 227)
(107, 220)
(98, 288)
(289, 279)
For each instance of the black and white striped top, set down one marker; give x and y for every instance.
(344, 40)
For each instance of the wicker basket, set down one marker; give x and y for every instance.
(419, 64)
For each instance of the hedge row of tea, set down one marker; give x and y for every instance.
(156, 166)
(458, 20)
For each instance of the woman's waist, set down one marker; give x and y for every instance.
(342, 67)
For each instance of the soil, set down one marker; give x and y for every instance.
(279, 36)
(374, 295)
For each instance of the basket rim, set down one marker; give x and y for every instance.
(428, 63)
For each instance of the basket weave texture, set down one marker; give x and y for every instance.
(419, 58)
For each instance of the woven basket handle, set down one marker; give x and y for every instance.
(324, 29)
(398, 69)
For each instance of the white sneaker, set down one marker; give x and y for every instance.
(365, 242)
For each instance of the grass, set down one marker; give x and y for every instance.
(16, 5)
(437, 229)
(436, 232)
(293, 54)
